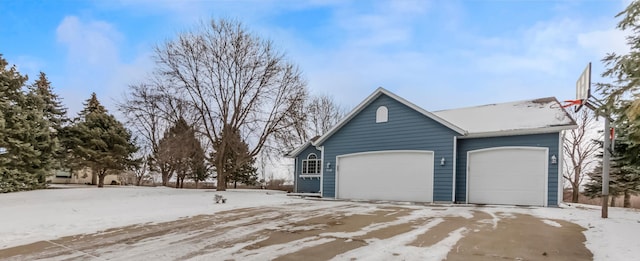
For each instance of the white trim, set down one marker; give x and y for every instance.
(372, 97)
(322, 169)
(310, 176)
(295, 174)
(455, 157)
(382, 114)
(316, 160)
(337, 175)
(298, 150)
(560, 163)
(519, 132)
(546, 165)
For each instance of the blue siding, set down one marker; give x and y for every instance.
(548, 140)
(306, 185)
(406, 129)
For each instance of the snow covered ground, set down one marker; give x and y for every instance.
(27, 217)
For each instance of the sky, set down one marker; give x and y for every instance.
(436, 54)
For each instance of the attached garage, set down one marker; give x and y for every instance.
(508, 175)
(386, 175)
(388, 148)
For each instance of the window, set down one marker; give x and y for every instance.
(382, 114)
(311, 165)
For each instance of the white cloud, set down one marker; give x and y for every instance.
(94, 63)
(602, 42)
(93, 43)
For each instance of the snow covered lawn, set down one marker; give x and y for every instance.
(255, 221)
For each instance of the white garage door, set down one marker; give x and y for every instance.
(386, 175)
(507, 175)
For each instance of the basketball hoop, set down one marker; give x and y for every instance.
(569, 103)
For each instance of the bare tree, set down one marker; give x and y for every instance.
(149, 110)
(322, 114)
(233, 79)
(140, 171)
(579, 151)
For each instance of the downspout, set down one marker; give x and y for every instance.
(322, 169)
(560, 170)
(295, 174)
(455, 157)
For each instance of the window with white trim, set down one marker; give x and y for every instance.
(311, 165)
(382, 114)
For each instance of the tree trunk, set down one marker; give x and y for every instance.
(182, 181)
(94, 177)
(613, 201)
(138, 181)
(575, 184)
(165, 177)
(235, 184)
(101, 180)
(627, 199)
(222, 183)
(196, 183)
(178, 182)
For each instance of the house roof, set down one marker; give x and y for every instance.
(512, 118)
(371, 98)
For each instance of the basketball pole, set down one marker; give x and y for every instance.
(605, 167)
(606, 152)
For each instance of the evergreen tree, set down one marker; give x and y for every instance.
(624, 172)
(239, 164)
(624, 70)
(180, 149)
(23, 137)
(49, 117)
(14, 152)
(98, 141)
(199, 171)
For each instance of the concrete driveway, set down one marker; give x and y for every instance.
(306, 231)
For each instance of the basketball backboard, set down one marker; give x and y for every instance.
(583, 87)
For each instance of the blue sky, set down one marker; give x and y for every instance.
(437, 54)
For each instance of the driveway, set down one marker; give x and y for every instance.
(308, 231)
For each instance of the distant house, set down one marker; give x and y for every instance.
(78, 177)
(388, 148)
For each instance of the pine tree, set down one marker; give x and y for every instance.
(48, 117)
(23, 132)
(239, 163)
(180, 151)
(98, 141)
(624, 173)
(624, 70)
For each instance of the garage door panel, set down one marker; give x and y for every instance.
(387, 175)
(515, 176)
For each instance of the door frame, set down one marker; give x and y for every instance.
(546, 167)
(430, 152)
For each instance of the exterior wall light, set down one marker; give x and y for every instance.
(328, 165)
(554, 159)
(442, 161)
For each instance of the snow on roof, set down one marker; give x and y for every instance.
(520, 117)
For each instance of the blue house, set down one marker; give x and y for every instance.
(388, 148)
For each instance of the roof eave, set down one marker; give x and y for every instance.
(542, 130)
(379, 91)
(298, 150)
